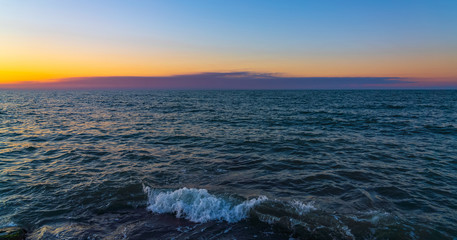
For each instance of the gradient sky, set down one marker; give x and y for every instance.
(50, 40)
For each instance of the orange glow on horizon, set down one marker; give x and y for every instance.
(43, 61)
(52, 70)
(47, 42)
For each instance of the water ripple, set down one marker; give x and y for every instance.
(377, 164)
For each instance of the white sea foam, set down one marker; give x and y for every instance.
(372, 216)
(197, 205)
(302, 208)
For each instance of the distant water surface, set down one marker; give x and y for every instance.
(229, 164)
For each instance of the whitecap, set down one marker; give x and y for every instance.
(197, 205)
(302, 208)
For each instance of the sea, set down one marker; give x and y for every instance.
(222, 164)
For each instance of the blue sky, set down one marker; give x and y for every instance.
(59, 39)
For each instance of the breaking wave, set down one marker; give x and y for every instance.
(301, 219)
(197, 205)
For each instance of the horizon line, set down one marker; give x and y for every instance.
(243, 80)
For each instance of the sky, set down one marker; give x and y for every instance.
(50, 43)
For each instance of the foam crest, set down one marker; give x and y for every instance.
(197, 205)
(302, 208)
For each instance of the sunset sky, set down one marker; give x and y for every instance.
(51, 41)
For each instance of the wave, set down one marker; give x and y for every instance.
(300, 218)
(197, 205)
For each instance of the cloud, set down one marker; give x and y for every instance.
(222, 80)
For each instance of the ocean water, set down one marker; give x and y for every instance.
(229, 164)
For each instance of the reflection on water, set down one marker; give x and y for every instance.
(368, 164)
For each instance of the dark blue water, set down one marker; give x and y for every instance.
(229, 164)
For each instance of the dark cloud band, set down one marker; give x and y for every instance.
(218, 80)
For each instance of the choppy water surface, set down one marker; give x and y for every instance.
(229, 164)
